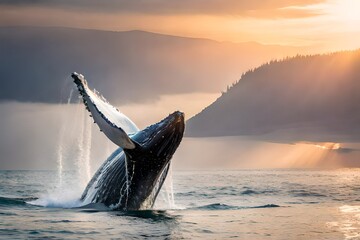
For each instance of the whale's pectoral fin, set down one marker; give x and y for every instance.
(115, 125)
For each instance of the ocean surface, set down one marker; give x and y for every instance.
(244, 204)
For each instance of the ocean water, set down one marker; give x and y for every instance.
(244, 204)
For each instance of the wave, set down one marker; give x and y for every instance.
(267, 206)
(94, 207)
(217, 206)
(249, 192)
(51, 203)
(221, 206)
(155, 215)
(305, 193)
(42, 202)
(228, 191)
(5, 201)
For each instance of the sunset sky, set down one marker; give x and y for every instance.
(203, 68)
(323, 24)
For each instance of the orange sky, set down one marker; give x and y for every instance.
(326, 24)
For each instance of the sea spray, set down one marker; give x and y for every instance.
(170, 186)
(80, 149)
(60, 198)
(60, 158)
(66, 194)
(60, 150)
(84, 149)
(87, 148)
(167, 199)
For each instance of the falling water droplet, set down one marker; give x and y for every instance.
(60, 150)
(84, 149)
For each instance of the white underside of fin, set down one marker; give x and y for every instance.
(114, 124)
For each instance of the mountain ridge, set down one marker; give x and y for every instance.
(312, 97)
(149, 33)
(147, 64)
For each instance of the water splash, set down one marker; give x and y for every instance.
(166, 199)
(82, 127)
(84, 149)
(60, 158)
(87, 148)
(169, 189)
(80, 148)
(64, 198)
(68, 188)
(60, 151)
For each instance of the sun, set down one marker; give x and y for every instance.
(346, 11)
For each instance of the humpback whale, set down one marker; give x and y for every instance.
(132, 176)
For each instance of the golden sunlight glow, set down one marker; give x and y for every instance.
(343, 19)
(328, 146)
(244, 152)
(319, 26)
(347, 11)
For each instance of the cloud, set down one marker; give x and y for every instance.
(256, 8)
(285, 12)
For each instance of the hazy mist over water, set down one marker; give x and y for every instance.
(31, 132)
(30, 139)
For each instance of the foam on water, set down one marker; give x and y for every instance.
(60, 198)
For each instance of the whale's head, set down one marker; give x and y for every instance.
(148, 163)
(161, 140)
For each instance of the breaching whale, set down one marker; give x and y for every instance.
(132, 176)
